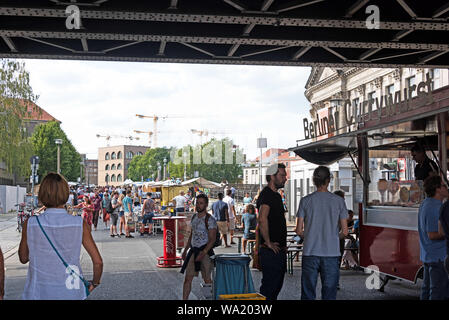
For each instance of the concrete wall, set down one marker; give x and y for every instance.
(9, 196)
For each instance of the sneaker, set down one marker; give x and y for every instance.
(130, 236)
(112, 235)
(122, 234)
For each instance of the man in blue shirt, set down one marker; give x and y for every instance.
(433, 249)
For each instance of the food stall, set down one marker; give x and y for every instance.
(378, 140)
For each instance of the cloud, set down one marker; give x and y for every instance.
(103, 97)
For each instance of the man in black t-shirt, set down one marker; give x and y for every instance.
(424, 166)
(273, 233)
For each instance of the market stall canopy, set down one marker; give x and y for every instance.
(362, 33)
(326, 152)
(127, 182)
(202, 182)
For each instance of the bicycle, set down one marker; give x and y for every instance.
(21, 215)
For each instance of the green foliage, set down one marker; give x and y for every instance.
(140, 165)
(44, 146)
(227, 167)
(15, 90)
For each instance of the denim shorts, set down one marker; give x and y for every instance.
(121, 214)
(148, 218)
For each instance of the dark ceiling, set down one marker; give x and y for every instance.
(259, 32)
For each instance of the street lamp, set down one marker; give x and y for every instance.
(165, 164)
(58, 143)
(158, 171)
(149, 174)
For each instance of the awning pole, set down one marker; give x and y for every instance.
(358, 170)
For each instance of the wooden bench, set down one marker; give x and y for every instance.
(250, 246)
(239, 243)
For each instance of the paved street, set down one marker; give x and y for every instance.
(130, 273)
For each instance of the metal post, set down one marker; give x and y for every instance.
(260, 170)
(33, 167)
(59, 165)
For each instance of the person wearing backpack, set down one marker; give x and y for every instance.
(220, 212)
(199, 247)
(106, 202)
(114, 207)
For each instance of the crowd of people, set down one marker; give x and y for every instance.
(323, 223)
(114, 206)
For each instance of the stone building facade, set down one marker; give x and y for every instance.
(113, 163)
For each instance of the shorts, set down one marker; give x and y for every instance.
(180, 209)
(249, 236)
(206, 267)
(114, 219)
(121, 214)
(128, 215)
(148, 218)
(222, 227)
(231, 224)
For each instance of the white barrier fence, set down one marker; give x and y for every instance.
(9, 196)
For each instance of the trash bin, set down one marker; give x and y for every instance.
(232, 275)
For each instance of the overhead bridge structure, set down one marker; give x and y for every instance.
(408, 33)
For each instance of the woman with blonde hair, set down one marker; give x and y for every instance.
(51, 243)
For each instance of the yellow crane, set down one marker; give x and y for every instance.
(108, 137)
(205, 133)
(150, 134)
(156, 118)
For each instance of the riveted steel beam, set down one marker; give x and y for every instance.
(225, 40)
(10, 44)
(224, 19)
(222, 60)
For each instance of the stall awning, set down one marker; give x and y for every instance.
(327, 151)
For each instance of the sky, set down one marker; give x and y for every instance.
(239, 102)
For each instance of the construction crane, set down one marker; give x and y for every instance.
(156, 118)
(150, 134)
(202, 133)
(108, 137)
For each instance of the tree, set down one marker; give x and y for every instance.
(15, 91)
(140, 165)
(215, 160)
(205, 159)
(44, 146)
